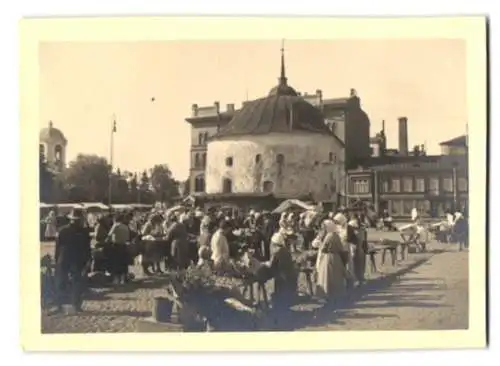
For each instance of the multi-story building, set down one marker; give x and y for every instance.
(205, 122)
(432, 184)
(456, 146)
(344, 116)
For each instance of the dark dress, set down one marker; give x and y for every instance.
(285, 277)
(178, 237)
(358, 238)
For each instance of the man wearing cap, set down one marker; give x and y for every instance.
(72, 258)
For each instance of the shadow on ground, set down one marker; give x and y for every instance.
(384, 292)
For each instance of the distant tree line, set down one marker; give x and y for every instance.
(87, 178)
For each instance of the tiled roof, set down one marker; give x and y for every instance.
(276, 113)
(457, 141)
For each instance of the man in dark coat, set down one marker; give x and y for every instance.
(72, 258)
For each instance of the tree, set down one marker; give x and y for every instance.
(133, 188)
(119, 187)
(144, 191)
(46, 181)
(165, 187)
(89, 176)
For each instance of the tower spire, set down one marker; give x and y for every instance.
(283, 79)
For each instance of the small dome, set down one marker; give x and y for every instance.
(51, 133)
(283, 89)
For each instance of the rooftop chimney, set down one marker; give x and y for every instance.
(217, 107)
(403, 136)
(194, 110)
(230, 107)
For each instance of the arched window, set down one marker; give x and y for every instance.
(200, 139)
(204, 160)
(199, 184)
(280, 158)
(258, 158)
(196, 160)
(330, 157)
(268, 186)
(42, 150)
(205, 137)
(229, 161)
(227, 185)
(58, 153)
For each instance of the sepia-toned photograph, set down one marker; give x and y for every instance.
(254, 185)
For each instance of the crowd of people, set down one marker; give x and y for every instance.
(187, 237)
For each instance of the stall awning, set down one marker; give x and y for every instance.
(99, 205)
(285, 205)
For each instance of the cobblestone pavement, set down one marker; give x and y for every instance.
(433, 295)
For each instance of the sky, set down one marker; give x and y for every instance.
(149, 88)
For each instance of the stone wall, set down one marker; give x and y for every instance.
(287, 164)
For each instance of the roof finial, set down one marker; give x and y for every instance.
(51, 124)
(283, 79)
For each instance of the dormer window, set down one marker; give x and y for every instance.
(229, 161)
(280, 158)
(258, 158)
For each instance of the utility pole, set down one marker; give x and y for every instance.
(455, 186)
(111, 148)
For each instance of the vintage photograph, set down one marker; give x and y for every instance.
(254, 185)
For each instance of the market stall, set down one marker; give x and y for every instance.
(94, 207)
(293, 204)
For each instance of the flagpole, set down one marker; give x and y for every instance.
(113, 130)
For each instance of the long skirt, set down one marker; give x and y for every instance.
(50, 231)
(180, 253)
(331, 276)
(120, 259)
(359, 261)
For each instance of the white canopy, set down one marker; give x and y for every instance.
(285, 205)
(140, 205)
(70, 205)
(121, 206)
(99, 205)
(174, 209)
(46, 205)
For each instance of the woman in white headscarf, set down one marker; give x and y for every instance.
(283, 223)
(329, 265)
(50, 226)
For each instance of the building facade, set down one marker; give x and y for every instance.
(348, 121)
(432, 184)
(205, 123)
(290, 165)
